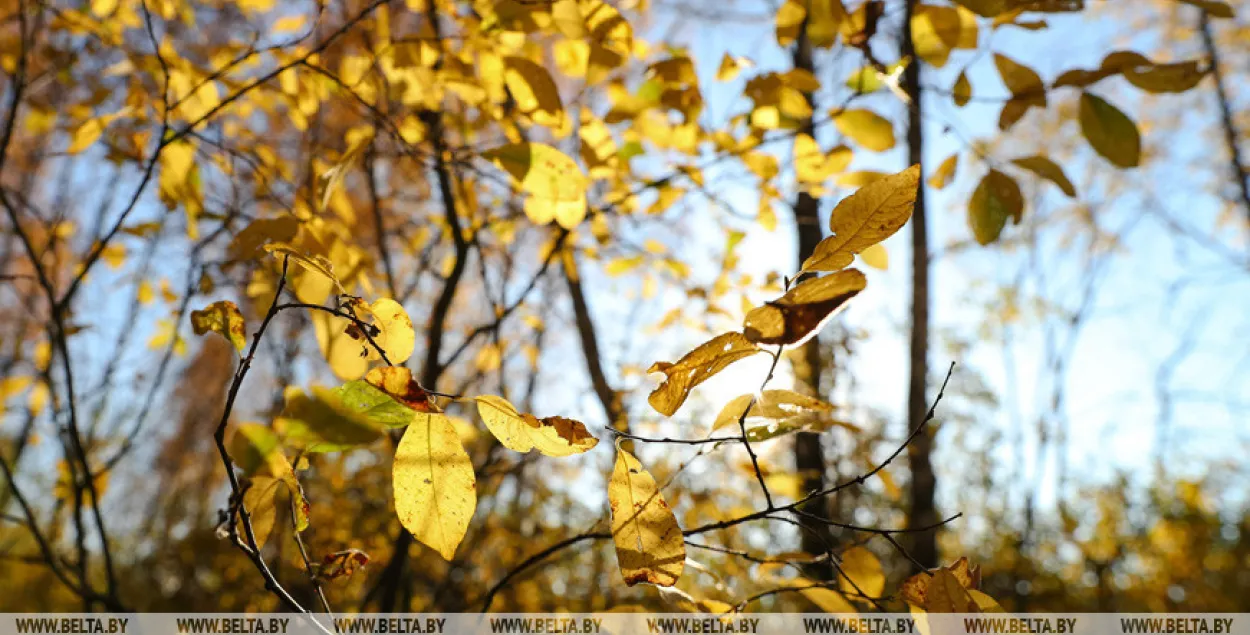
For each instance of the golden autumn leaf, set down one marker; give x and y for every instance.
(861, 566)
(1111, 133)
(555, 184)
(827, 599)
(1049, 170)
(435, 489)
(961, 92)
(774, 403)
(1177, 77)
(876, 256)
(866, 128)
(996, 199)
(944, 173)
(396, 336)
(915, 590)
(535, 92)
(865, 218)
(695, 367)
(520, 432)
(945, 594)
(222, 317)
(801, 312)
(650, 547)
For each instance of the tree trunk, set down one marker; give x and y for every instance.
(809, 456)
(921, 511)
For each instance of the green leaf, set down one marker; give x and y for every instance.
(1111, 133)
(323, 422)
(996, 199)
(375, 405)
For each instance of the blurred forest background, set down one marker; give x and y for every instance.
(1078, 251)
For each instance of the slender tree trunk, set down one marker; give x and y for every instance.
(1237, 164)
(921, 511)
(809, 455)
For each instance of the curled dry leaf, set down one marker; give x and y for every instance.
(649, 544)
(695, 367)
(800, 313)
(222, 317)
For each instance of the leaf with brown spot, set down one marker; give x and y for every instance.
(800, 313)
(649, 544)
(695, 367)
(552, 436)
(222, 317)
(397, 381)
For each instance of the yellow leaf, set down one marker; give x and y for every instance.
(1048, 170)
(790, 18)
(435, 490)
(729, 67)
(347, 356)
(865, 218)
(876, 256)
(1165, 78)
(962, 91)
(942, 176)
(915, 590)
(810, 166)
(554, 183)
(86, 135)
(261, 502)
(552, 436)
(862, 568)
(945, 594)
(222, 317)
(649, 544)
(535, 92)
(996, 199)
(935, 31)
(695, 367)
(180, 182)
(778, 404)
(800, 313)
(397, 337)
(827, 599)
(867, 128)
(103, 8)
(824, 19)
(1111, 133)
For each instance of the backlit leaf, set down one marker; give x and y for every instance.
(435, 489)
(777, 404)
(800, 313)
(863, 568)
(996, 199)
(535, 92)
(326, 422)
(1049, 170)
(945, 172)
(649, 544)
(221, 317)
(555, 184)
(695, 367)
(552, 436)
(866, 128)
(1111, 133)
(865, 218)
